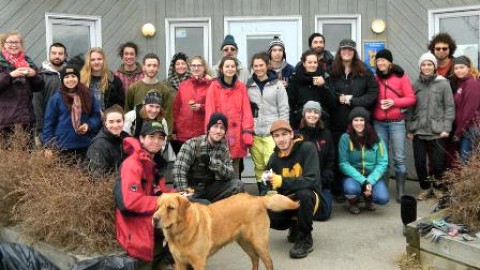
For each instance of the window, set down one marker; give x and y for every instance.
(190, 36)
(77, 33)
(335, 28)
(463, 24)
(258, 42)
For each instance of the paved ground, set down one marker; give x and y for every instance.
(371, 240)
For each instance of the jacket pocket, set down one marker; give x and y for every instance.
(437, 126)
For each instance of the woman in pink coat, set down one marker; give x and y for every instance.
(229, 96)
(395, 94)
(189, 103)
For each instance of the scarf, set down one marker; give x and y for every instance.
(17, 61)
(175, 79)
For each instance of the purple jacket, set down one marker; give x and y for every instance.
(16, 95)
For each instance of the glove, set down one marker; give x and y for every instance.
(276, 181)
(204, 159)
(247, 139)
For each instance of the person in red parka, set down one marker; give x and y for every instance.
(189, 103)
(229, 96)
(395, 95)
(136, 194)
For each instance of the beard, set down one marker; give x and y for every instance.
(57, 62)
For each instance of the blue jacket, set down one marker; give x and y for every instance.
(362, 164)
(58, 130)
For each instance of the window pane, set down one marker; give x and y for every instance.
(334, 33)
(189, 40)
(464, 29)
(255, 45)
(75, 37)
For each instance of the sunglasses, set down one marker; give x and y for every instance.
(441, 48)
(231, 49)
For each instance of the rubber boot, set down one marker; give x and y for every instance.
(400, 186)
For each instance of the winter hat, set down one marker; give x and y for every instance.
(427, 56)
(312, 105)
(217, 118)
(179, 56)
(153, 96)
(348, 43)
(69, 69)
(229, 40)
(461, 60)
(280, 124)
(276, 41)
(385, 54)
(359, 112)
(150, 127)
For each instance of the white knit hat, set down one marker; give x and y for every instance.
(427, 56)
(312, 105)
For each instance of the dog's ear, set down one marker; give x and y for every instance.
(183, 205)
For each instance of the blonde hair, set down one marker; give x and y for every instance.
(86, 72)
(144, 116)
(5, 35)
(204, 63)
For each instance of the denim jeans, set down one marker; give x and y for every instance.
(395, 133)
(353, 189)
(466, 143)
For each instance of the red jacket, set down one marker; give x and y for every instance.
(235, 104)
(189, 123)
(467, 104)
(135, 202)
(405, 98)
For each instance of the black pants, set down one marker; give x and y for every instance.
(284, 220)
(217, 190)
(337, 185)
(434, 149)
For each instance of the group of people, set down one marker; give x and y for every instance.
(320, 127)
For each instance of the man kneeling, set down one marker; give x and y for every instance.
(294, 171)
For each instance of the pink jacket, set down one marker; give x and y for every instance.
(187, 122)
(405, 97)
(235, 104)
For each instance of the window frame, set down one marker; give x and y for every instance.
(342, 19)
(93, 22)
(172, 23)
(434, 16)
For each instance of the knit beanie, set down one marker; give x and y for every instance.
(229, 40)
(69, 69)
(385, 54)
(427, 56)
(179, 56)
(153, 96)
(217, 118)
(312, 105)
(461, 60)
(359, 112)
(276, 41)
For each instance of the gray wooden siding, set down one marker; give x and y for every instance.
(406, 34)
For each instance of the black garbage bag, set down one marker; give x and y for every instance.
(106, 263)
(20, 257)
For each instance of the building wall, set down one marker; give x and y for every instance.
(406, 33)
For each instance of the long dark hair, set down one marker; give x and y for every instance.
(338, 70)
(369, 138)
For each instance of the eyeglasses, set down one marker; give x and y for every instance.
(231, 49)
(441, 48)
(13, 42)
(196, 66)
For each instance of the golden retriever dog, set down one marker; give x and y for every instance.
(195, 231)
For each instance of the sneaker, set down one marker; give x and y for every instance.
(427, 194)
(302, 247)
(292, 234)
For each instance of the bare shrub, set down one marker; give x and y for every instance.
(53, 200)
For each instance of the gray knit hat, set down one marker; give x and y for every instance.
(427, 56)
(312, 105)
(276, 41)
(229, 40)
(463, 60)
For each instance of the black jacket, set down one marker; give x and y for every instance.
(114, 94)
(299, 169)
(301, 89)
(105, 153)
(364, 90)
(322, 139)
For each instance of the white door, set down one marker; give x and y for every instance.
(253, 35)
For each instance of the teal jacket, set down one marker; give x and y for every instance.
(362, 164)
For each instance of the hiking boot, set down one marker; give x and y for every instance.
(293, 234)
(369, 204)
(302, 247)
(353, 206)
